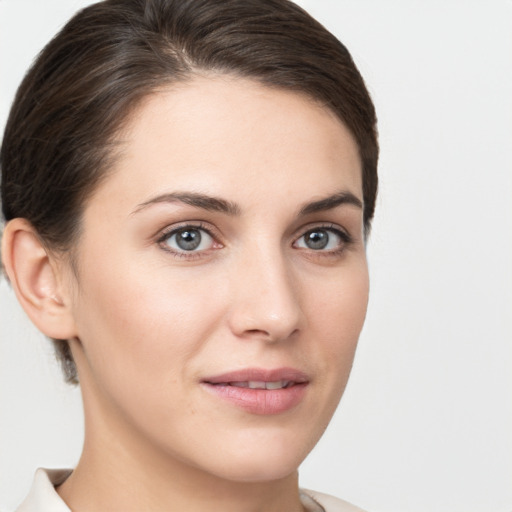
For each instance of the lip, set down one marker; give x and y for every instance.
(231, 387)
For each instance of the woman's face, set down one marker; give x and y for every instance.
(222, 280)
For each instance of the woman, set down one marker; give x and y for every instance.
(188, 187)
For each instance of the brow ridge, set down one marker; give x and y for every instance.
(330, 202)
(220, 205)
(198, 200)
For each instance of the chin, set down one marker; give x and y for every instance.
(262, 459)
(261, 471)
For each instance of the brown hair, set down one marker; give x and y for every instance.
(60, 136)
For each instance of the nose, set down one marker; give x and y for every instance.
(265, 298)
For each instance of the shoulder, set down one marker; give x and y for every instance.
(327, 503)
(42, 496)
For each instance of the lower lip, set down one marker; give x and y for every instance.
(260, 401)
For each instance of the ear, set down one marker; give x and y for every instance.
(36, 277)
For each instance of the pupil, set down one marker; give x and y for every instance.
(189, 239)
(317, 239)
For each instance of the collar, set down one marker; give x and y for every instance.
(43, 496)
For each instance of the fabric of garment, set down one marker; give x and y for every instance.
(44, 498)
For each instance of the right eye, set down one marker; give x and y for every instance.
(187, 239)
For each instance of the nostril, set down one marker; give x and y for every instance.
(273, 336)
(258, 331)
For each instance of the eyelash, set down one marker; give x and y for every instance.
(345, 238)
(174, 230)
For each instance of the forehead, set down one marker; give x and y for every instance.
(232, 136)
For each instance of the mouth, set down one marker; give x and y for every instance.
(259, 391)
(257, 384)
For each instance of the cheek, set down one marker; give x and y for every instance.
(143, 322)
(141, 338)
(337, 313)
(339, 305)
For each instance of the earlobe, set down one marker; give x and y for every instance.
(36, 279)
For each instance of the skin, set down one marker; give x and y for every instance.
(149, 321)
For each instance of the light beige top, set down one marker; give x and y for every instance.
(43, 497)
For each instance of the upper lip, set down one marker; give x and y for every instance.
(260, 375)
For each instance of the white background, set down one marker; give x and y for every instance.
(426, 422)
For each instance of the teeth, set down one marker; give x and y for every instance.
(239, 384)
(256, 384)
(276, 385)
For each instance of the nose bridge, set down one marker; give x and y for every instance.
(265, 299)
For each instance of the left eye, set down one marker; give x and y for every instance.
(188, 239)
(320, 239)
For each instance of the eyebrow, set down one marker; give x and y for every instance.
(330, 202)
(203, 201)
(217, 204)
